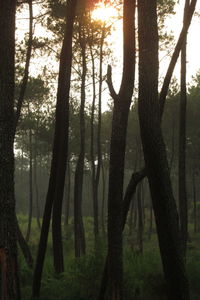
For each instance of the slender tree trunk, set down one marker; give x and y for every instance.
(122, 102)
(164, 205)
(59, 159)
(171, 161)
(150, 222)
(194, 200)
(36, 181)
(92, 155)
(27, 64)
(103, 200)
(24, 247)
(68, 195)
(99, 152)
(30, 187)
(140, 218)
(79, 173)
(183, 207)
(9, 283)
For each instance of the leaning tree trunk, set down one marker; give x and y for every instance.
(122, 102)
(9, 284)
(182, 190)
(78, 181)
(164, 205)
(59, 159)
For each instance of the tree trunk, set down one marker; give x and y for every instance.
(182, 191)
(122, 102)
(79, 173)
(30, 187)
(140, 218)
(67, 196)
(194, 201)
(27, 64)
(24, 247)
(9, 283)
(36, 184)
(164, 205)
(103, 200)
(59, 159)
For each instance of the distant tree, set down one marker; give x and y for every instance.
(79, 172)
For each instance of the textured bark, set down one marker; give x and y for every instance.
(79, 235)
(59, 159)
(182, 190)
(164, 205)
(9, 284)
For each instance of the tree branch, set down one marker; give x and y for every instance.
(110, 83)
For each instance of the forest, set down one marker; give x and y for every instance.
(99, 153)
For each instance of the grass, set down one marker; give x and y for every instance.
(143, 275)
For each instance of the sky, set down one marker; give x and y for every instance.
(174, 24)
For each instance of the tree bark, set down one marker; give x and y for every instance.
(164, 205)
(59, 159)
(9, 283)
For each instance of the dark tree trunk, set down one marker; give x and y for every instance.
(30, 187)
(140, 218)
(79, 173)
(122, 102)
(171, 160)
(59, 159)
(36, 182)
(67, 196)
(182, 190)
(9, 284)
(27, 63)
(150, 222)
(93, 170)
(164, 205)
(103, 200)
(194, 201)
(24, 247)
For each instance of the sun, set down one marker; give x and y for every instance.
(104, 13)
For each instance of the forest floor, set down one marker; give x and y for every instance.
(143, 275)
